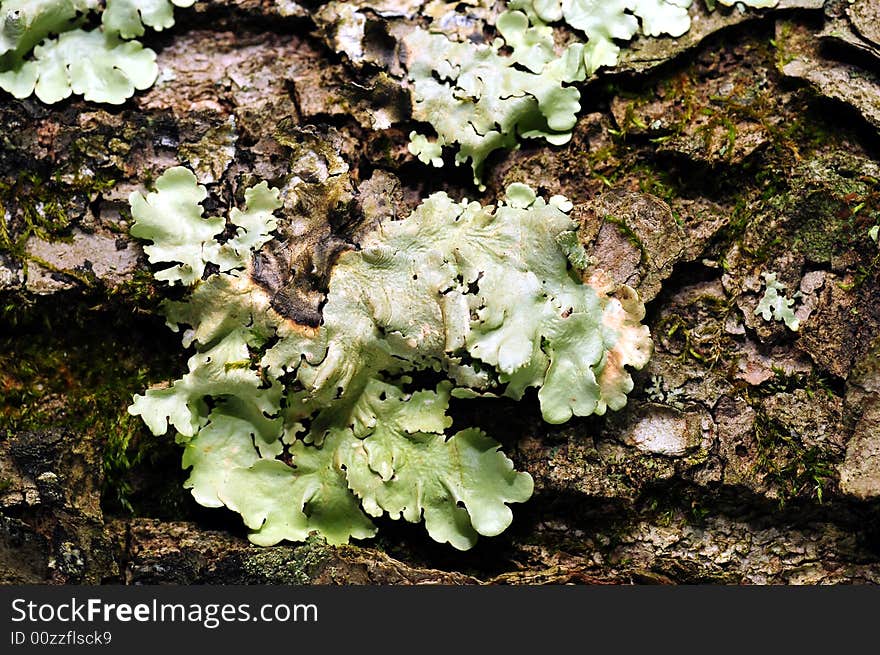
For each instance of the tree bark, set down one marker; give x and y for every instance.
(747, 453)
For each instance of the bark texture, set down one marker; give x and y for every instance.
(747, 453)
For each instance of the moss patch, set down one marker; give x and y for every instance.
(44, 207)
(797, 471)
(66, 362)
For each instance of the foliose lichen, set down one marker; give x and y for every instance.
(303, 429)
(774, 304)
(46, 50)
(482, 97)
(481, 100)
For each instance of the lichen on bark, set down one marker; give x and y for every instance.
(746, 452)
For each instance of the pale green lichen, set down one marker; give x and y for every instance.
(480, 98)
(45, 50)
(606, 22)
(774, 304)
(305, 429)
(128, 18)
(191, 240)
(98, 66)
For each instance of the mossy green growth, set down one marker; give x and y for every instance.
(796, 470)
(40, 213)
(316, 429)
(69, 362)
(36, 205)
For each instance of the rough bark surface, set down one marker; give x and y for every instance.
(747, 453)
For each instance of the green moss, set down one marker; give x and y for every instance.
(696, 332)
(804, 132)
(70, 361)
(119, 458)
(658, 181)
(814, 383)
(795, 470)
(826, 220)
(781, 44)
(140, 290)
(863, 273)
(630, 236)
(40, 213)
(34, 205)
